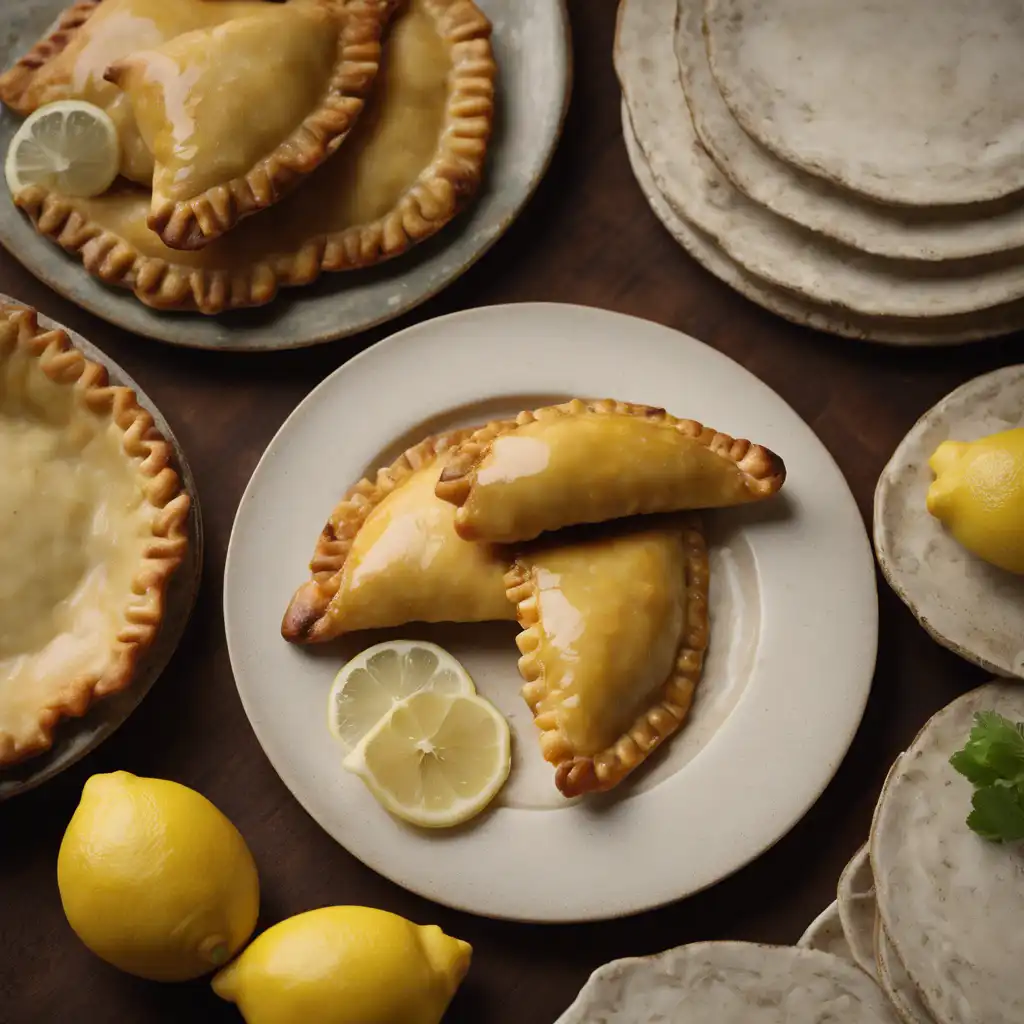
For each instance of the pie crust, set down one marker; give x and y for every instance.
(389, 555)
(592, 461)
(248, 265)
(571, 676)
(83, 575)
(193, 221)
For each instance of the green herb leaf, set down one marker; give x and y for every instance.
(992, 759)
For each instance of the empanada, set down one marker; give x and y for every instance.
(389, 555)
(237, 114)
(591, 461)
(615, 626)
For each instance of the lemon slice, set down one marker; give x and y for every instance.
(69, 146)
(373, 682)
(435, 759)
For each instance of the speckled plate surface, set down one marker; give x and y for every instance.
(914, 102)
(950, 901)
(770, 247)
(897, 984)
(533, 50)
(885, 330)
(967, 605)
(855, 900)
(825, 933)
(932, 234)
(731, 983)
(76, 737)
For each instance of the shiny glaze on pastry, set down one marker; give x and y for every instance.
(94, 524)
(615, 625)
(71, 62)
(591, 461)
(415, 156)
(238, 114)
(389, 555)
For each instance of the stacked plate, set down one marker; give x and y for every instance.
(852, 165)
(922, 929)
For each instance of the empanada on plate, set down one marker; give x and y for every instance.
(615, 626)
(237, 114)
(591, 461)
(70, 62)
(389, 555)
(411, 163)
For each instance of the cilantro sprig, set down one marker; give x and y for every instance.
(992, 759)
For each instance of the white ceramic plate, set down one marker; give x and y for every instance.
(76, 737)
(967, 605)
(793, 604)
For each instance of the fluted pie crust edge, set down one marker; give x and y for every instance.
(57, 358)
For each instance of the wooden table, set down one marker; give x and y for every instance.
(587, 237)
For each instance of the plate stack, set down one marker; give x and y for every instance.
(853, 165)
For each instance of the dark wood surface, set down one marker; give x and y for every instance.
(587, 237)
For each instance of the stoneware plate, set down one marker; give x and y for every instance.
(885, 330)
(966, 604)
(770, 247)
(825, 933)
(932, 234)
(947, 898)
(532, 48)
(765, 737)
(896, 983)
(731, 983)
(76, 737)
(913, 102)
(858, 910)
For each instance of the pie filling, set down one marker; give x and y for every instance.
(75, 525)
(393, 141)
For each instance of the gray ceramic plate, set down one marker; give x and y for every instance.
(532, 46)
(77, 737)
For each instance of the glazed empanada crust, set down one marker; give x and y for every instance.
(389, 555)
(593, 461)
(254, 68)
(615, 627)
(103, 235)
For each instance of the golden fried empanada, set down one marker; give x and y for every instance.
(615, 626)
(389, 555)
(588, 462)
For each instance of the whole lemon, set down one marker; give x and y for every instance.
(346, 965)
(154, 879)
(978, 495)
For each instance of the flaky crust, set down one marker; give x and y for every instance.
(194, 223)
(576, 775)
(439, 193)
(15, 82)
(64, 364)
(304, 619)
(764, 470)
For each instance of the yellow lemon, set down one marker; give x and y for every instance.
(978, 494)
(154, 879)
(346, 965)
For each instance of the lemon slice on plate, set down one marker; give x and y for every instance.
(69, 146)
(373, 682)
(436, 759)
